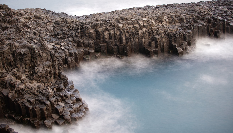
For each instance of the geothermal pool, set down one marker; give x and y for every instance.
(192, 93)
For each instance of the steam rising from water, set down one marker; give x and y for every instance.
(208, 49)
(191, 94)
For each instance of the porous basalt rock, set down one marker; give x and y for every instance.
(37, 45)
(33, 89)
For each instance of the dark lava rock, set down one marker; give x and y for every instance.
(37, 45)
(4, 128)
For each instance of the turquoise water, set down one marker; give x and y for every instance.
(193, 93)
(194, 98)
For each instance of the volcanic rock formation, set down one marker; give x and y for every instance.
(37, 45)
(6, 129)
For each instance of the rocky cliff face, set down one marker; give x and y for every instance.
(37, 45)
(33, 89)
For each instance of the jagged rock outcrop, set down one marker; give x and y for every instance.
(36, 45)
(6, 129)
(33, 89)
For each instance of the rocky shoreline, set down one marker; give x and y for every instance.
(37, 45)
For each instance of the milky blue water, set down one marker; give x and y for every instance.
(189, 94)
(178, 96)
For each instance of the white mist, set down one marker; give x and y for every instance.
(193, 93)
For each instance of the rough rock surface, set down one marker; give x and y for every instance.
(6, 129)
(36, 45)
(33, 89)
